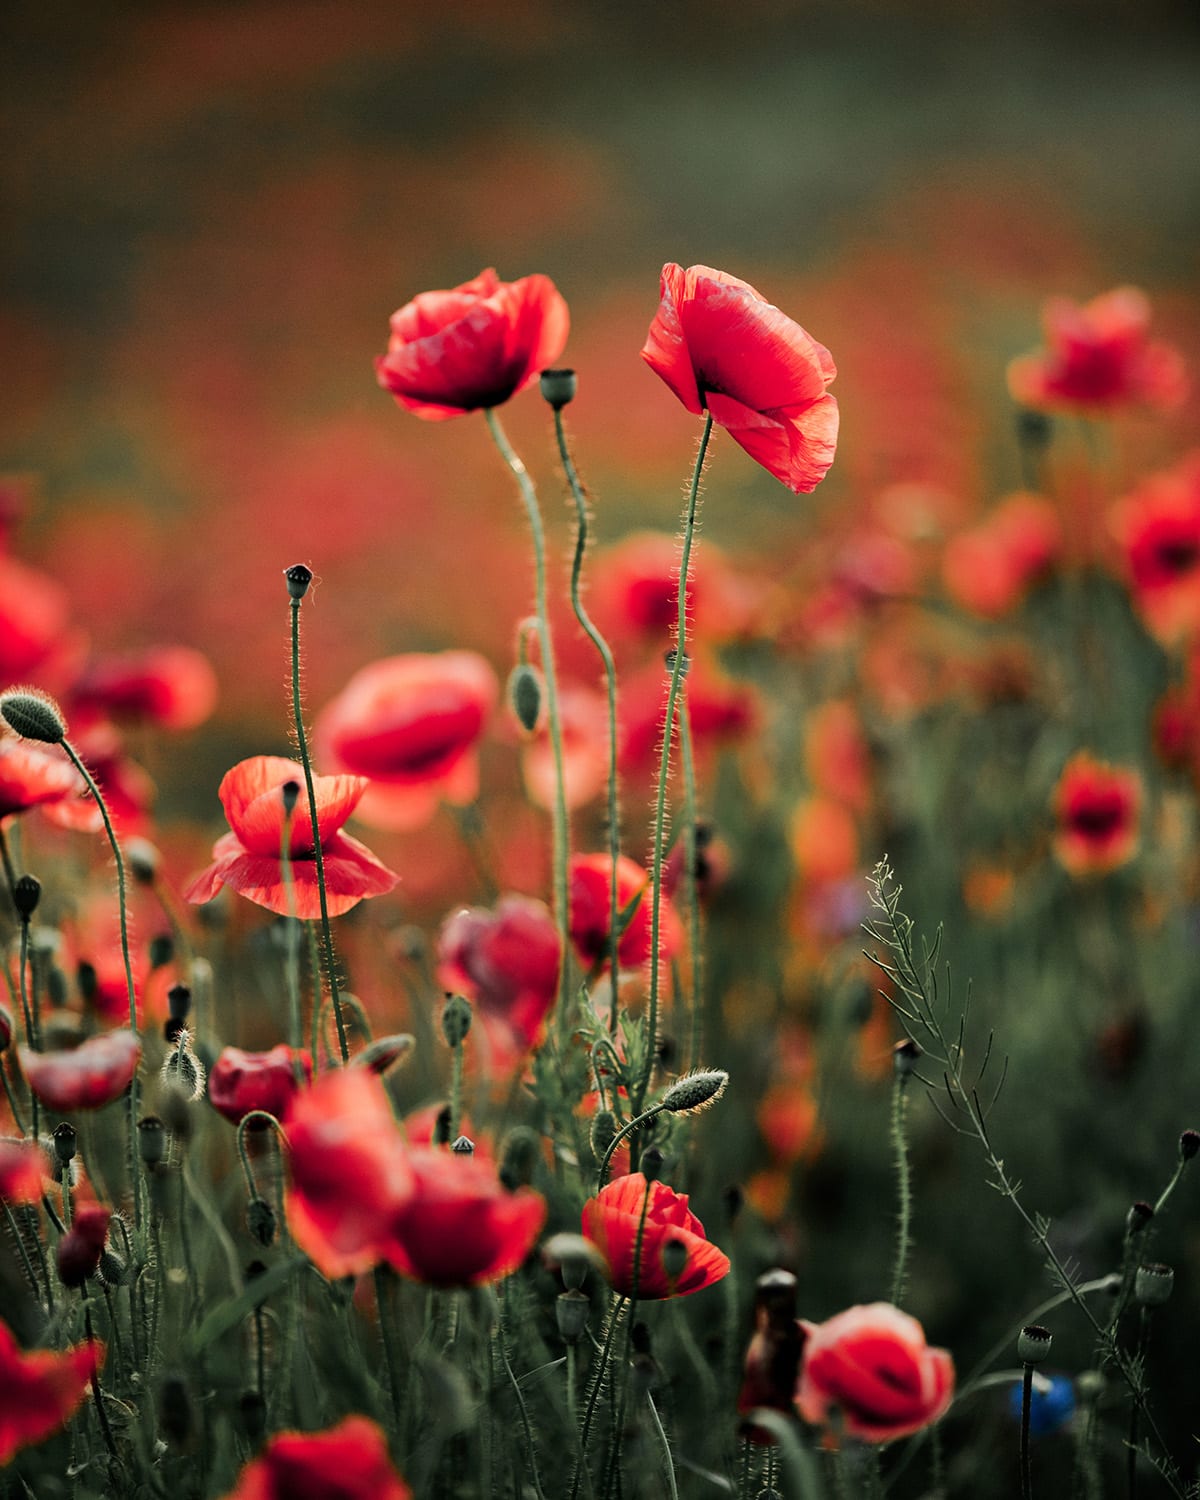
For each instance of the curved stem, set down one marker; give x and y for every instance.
(291, 947)
(621, 1135)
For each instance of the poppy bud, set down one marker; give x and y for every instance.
(674, 1258)
(384, 1052)
(669, 662)
(463, 1146)
(79, 1250)
(33, 716)
(525, 695)
(604, 1130)
(143, 860)
(1152, 1285)
(905, 1056)
(456, 1019)
(112, 1268)
(260, 1220)
(65, 1140)
(695, 1091)
(1189, 1144)
(290, 793)
(175, 1410)
(1033, 1344)
(26, 894)
(298, 579)
(571, 1312)
(558, 387)
(162, 950)
(184, 1070)
(152, 1139)
(1138, 1217)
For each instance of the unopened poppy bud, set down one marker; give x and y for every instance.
(905, 1057)
(669, 658)
(162, 950)
(1189, 1144)
(152, 1139)
(559, 387)
(384, 1052)
(252, 1416)
(26, 894)
(65, 1142)
(174, 1408)
(260, 1220)
(112, 1268)
(522, 1152)
(290, 794)
(603, 1132)
(1152, 1285)
(525, 695)
(463, 1146)
(1033, 1344)
(184, 1070)
(33, 716)
(674, 1258)
(179, 1002)
(298, 579)
(456, 1019)
(651, 1163)
(571, 1312)
(85, 977)
(1139, 1215)
(143, 860)
(695, 1091)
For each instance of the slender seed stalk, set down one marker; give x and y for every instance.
(668, 1461)
(1026, 1404)
(31, 1029)
(385, 1334)
(19, 1241)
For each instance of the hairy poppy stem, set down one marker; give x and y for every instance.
(614, 1319)
(903, 1183)
(660, 806)
(690, 885)
(291, 947)
(31, 1029)
(621, 1135)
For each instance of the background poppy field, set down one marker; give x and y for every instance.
(211, 211)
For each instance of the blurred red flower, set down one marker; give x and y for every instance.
(173, 687)
(79, 1251)
(128, 790)
(583, 720)
(33, 619)
(1158, 530)
(411, 724)
(30, 777)
(248, 859)
(872, 1367)
(1096, 809)
(347, 1462)
(40, 1391)
(590, 880)
(989, 568)
(669, 1229)
(241, 1081)
(461, 1226)
(452, 352)
(719, 711)
(88, 1076)
(723, 348)
(1099, 359)
(24, 1169)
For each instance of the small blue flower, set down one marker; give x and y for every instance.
(1049, 1409)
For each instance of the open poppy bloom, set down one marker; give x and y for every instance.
(248, 859)
(239, 1082)
(40, 1391)
(474, 346)
(346, 1462)
(461, 1226)
(872, 1366)
(724, 349)
(1158, 530)
(24, 1170)
(675, 1260)
(1096, 808)
(1099, 359)
(411, 724)
(589, 877)
(88, 1076)
(173, 687)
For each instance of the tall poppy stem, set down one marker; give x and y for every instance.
(660, 805)
(691, 857)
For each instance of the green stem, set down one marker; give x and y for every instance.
(621, 1135)
(10, 874)
(690, 887)
(660, 805)
(19, 1241)
(382, 1303)
(904, 1184)
(614, 1319)
(669, 1464)
(31, 1026)
(291, 950)
(12, 1103)
(255, 1117)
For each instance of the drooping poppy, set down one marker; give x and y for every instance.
(723, 348)
(590, 879)
(676, 1259)
(88, 1076)
(870, 1371)
(411, 724)
(472, 347)
(346, 1462)
(248, 858)
(172, 687)
(41, 1390)
(239, 1081)
(1157, 528)
(1097, 808)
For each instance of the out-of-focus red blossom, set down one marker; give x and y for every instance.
(461, 1226)
(507, 961)
(451, 352)
(411, 724)
(33, 619)
(172, 687)
(824, 840)
(1098, 359)
(989, 569)
(611, 1220)
(786, 1115)
(724, 349)
(40, 1391)
(88, 1076)
(128, 791)
(1157, 529)
(241, 1081)
(347, 1462)
(1097, 808)
(871, 566)
(24, 1169)
(589, 879)
(33, 777)
(720, 711)
(583, 717)
(79, 1251)
(248, 859)
(712, 866)
(869, 1373)
(836, 754)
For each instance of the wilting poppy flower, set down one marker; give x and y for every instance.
(1096, 809)
(248, 858)
(873, 1367)
(507, 961)
(412, 725)
(1158, 530)
(725, 349)
(474, 346)
(173, 687)
(31, 777)
(33, 619)
(461, 1226)
(1098, 359)
(350, 1171)
(241, 1081)
(24, 1169)
(88, 1076)
(347, 1462)
(79, 1251)
(676, 1259)
(40, 1391)
(589, 877)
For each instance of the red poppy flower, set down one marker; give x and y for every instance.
(1096, 808)
(350, 1171)
(1158, 530)
(873, 1367)
(347, 1462)
(634, 591)
(248, 858)
(590, 879)
(507, 961)
(173, 687)
(128, 790)
(472, 347)
(241, 1081)
(40, 1391)
(461, 1226)
(30, 777)
(88, 1076)
(1099, 359)
(33, 619)
(411, 724)
(583, 720)
(611, 1221)
(989, 568)
(719, 711)
(24, 1169)
(723, 348)
(79, 1251)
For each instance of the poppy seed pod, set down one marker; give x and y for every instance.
(1152, 1285)
(26, 894)
(603, 1132)
(1033, 1344)
(559, 387)
(33, 716)
(298, 578)
(65, 1139)
(571, 1310)
(1189, 1144)
(906, 1055)
(152, 1139)
(1139, 1215)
